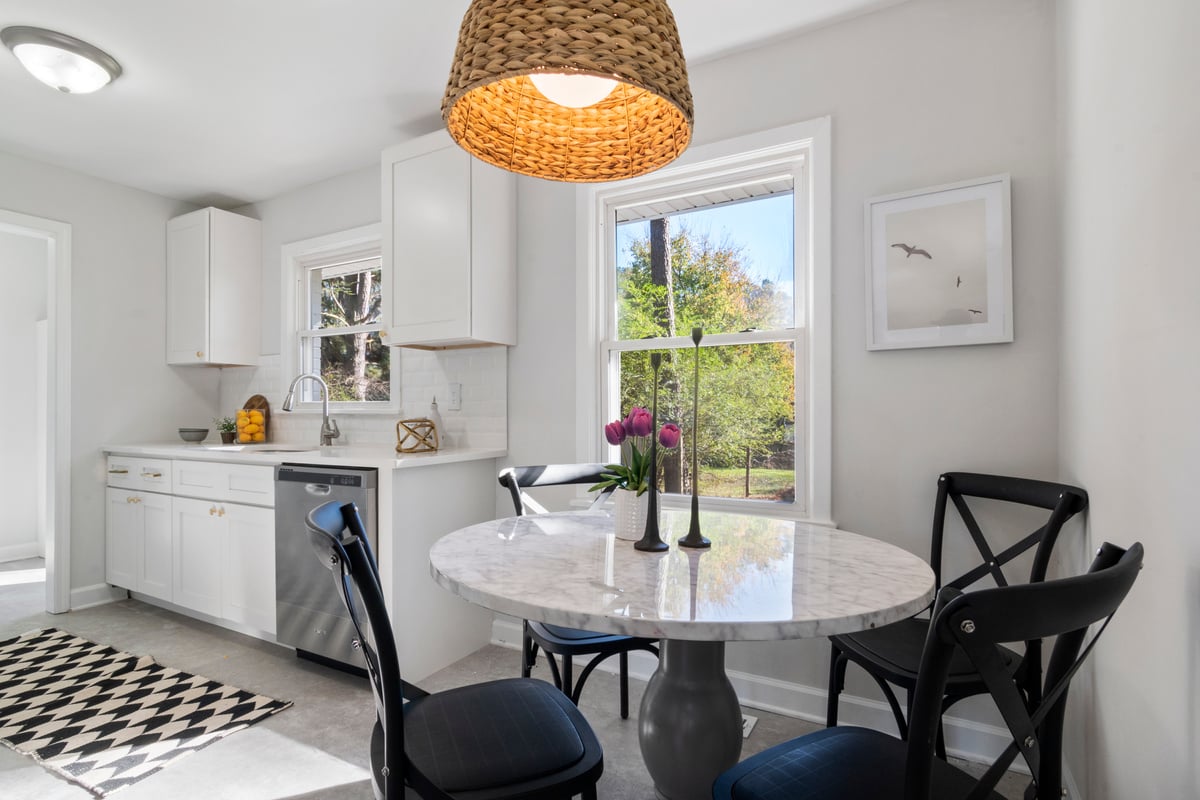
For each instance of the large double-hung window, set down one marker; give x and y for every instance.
(727, 244)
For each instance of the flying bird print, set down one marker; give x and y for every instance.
(912, 250)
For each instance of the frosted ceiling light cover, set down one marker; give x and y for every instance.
(495, 108)
(572, 91)
(63, 62)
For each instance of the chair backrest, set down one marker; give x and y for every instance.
(978, 622)
(517, 478)
(1061, 500)
(337, 535)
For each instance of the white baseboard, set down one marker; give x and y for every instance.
(966, 739)
(17, 552)
(96, 595)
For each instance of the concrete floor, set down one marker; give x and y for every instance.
(317, 749)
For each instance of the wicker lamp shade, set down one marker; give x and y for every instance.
(492, 109)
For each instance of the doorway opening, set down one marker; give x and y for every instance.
(35, 253)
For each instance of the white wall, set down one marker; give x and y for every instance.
(1131, 377)
(927, 92)
(23, 274)
(121, 388)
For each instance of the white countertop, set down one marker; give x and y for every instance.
(763, 579)
(379, 456)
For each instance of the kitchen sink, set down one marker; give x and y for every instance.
(258, 448)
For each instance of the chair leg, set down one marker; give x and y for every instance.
(566, 675)
(837, 682)
(624, 660)
(529, 650)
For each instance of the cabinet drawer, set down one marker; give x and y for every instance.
(238, 483)
(145, 474)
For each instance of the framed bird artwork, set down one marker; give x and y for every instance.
(939, 266)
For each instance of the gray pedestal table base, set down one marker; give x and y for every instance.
(690, 723)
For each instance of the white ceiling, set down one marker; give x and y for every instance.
(225, 102)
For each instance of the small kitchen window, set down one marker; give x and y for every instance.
(336, 284)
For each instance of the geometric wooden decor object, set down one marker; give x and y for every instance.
(416, 436)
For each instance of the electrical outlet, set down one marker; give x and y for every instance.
(455, 403)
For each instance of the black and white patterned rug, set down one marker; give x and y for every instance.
(105, 719)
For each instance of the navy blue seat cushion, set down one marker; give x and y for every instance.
(492, 734)
(842, 763)
(899, 647)
(573, 634)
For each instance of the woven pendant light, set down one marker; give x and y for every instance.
(494, 111)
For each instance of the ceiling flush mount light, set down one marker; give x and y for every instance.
(570, 90)
(68, 64)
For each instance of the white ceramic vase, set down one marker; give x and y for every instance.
(630, 514)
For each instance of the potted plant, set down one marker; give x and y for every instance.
(227, 427)
(631, 478)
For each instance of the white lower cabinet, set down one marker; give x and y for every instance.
(202, 554)
(248, 593)
(138, 549)
(198, 541)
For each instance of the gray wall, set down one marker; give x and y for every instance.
(1131, 377)
(920, 94)
(121, 388)
(340, 203)
(23, 274)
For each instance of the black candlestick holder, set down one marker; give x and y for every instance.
(651, 540)
(694, 538)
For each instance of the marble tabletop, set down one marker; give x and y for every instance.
(763, 578)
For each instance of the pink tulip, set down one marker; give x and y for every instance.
(668, 435)
(614, 432)
(639, 422)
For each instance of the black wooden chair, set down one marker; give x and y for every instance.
(892, 654)
(514, 738)
(850, 763)
(555, 640)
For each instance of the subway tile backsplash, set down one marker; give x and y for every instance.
(424, 374)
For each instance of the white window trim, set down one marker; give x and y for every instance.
(296, 256)
(811, 140)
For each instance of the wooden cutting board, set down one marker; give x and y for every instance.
(259, 403)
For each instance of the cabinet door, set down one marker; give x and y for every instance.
(198, 530)
(156, 566)
(248, 594)
(430, 245)
(187, 288)
(123, 519)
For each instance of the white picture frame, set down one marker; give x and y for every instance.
(939, 266)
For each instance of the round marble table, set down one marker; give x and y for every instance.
(763, 579)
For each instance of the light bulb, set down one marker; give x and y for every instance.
(62, 69)
(572, 90)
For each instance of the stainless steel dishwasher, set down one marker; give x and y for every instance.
(309, 613)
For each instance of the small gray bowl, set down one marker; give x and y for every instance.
(193, 434)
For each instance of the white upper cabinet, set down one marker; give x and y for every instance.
(450, 243)
(214, 276)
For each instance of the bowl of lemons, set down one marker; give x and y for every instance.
(251, 426)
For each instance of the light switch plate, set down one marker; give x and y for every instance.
(455, 403)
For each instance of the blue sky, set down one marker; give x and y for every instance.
(762, 228)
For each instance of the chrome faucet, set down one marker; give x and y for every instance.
(329, 428)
